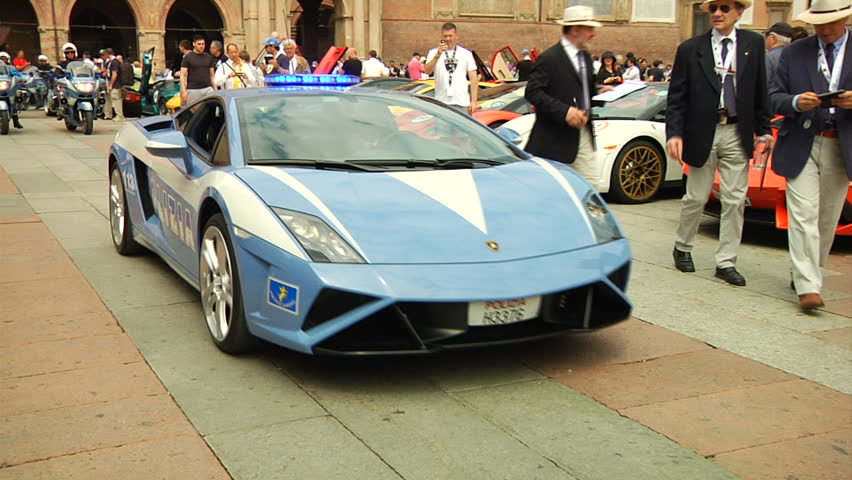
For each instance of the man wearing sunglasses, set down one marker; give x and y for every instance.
(718, 111)
(815, 141)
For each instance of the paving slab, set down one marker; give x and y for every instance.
(38, 298)
(60, 355)
(19, 218)
(23, 330)
(12, 203)
(457, 371)
(85, 229)
(584, 437)
(39, 182)
(63, 431)
(670, 378)
(311, 448)
(414, 427)
(64, 202)
(823, 456)
(837, 336)
(95, 384)
(185, 457)
(735, 419)
(206, 382)
(626, 342)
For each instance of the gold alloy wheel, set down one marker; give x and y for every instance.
(640, 172)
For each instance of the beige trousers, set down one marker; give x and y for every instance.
(814, 202)
(117, 97)
(586, 162)
(108, 106)
(727, 156)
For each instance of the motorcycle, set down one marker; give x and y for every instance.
(8, 84)
(34, 89)
(51, 100)
(78, 95)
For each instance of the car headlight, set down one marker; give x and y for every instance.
(603, 222)
(85, 87)
(4, 84)
(321, 242)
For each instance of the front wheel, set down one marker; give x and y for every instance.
(637, 173)
(70, 126)
(88, 122)
(4, 122)
(221, 297)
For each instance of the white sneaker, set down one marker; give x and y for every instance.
(118, 119)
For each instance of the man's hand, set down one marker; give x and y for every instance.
(184, 97)
(675, 148)
(442, 47)
(576, 118)
(759, 158)
(808, 101)
(230, 75)
(471, 108)
(844, 100)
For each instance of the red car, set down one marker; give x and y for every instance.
(766, 198)
(500, 104)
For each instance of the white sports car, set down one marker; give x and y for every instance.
(630, 134)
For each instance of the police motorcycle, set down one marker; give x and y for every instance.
(9, 83)
(78, 94)
(33, 91)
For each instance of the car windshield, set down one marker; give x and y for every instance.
(498, 98)
(80, 69)
(363, 128)
(412, 87)
(642, 104)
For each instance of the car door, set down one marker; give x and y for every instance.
(179, 193)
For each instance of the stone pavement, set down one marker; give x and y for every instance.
(706, 382)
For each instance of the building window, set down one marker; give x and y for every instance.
(662, 11)
(603, 8)
(486, 8)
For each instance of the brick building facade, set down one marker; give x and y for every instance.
(395, 28)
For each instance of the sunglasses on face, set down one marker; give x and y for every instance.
(723, 8)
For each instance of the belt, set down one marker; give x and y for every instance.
(828, 133)
(727, 120)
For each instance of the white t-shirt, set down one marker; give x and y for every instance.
(373, 67)
(457, 92)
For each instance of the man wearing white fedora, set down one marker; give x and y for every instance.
(815, 142)
(560, 87)
(717, 112)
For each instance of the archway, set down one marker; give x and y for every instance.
(313, 26)
(19, 29)
(187, 18)
(93, 27)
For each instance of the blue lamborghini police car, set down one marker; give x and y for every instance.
(362, 222)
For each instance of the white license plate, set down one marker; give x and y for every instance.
(501, 312)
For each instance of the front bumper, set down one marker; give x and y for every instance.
(422, 308)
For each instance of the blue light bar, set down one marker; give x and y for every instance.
(302, 88)
(311, 80)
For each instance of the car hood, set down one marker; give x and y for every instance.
(529, 208)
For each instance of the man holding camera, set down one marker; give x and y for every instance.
(455, 71)
(815, 142)
(235, 73)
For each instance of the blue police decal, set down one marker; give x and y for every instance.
(283, 295)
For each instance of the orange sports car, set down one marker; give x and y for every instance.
(766, 198)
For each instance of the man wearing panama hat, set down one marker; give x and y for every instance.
(815, 142)
(717, 111)
(560, 87)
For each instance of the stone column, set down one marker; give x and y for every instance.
(343, 26)
(157, 40)
(264, 23)
(359, 28)
(374, 27)
(252, 37)
(52, 38)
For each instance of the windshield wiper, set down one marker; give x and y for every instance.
(317, 164)
(455, 161)
(436, 163)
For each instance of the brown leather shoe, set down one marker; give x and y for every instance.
(810, 301)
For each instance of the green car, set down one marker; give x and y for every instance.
(155, 95)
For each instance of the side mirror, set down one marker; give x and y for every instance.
(510, 135)
(171, 145)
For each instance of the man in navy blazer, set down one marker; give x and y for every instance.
(717, 109)
(814, 150)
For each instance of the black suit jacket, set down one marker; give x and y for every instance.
(693, 100)
(555, 86)
(797, 73)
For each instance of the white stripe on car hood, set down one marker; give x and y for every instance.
(455, 189)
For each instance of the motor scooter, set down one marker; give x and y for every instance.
(8, 84)
(78, 93)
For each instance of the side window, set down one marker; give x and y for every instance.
(222, 156)
(183, 118)
(205, 127)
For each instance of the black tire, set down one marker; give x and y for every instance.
(88, 122)
(161, 106)
(121, 227)
(4, 122)
(846, 214)
(637, 173)
(70, 126)
(237, 339)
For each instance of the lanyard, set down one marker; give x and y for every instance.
(723, 69)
